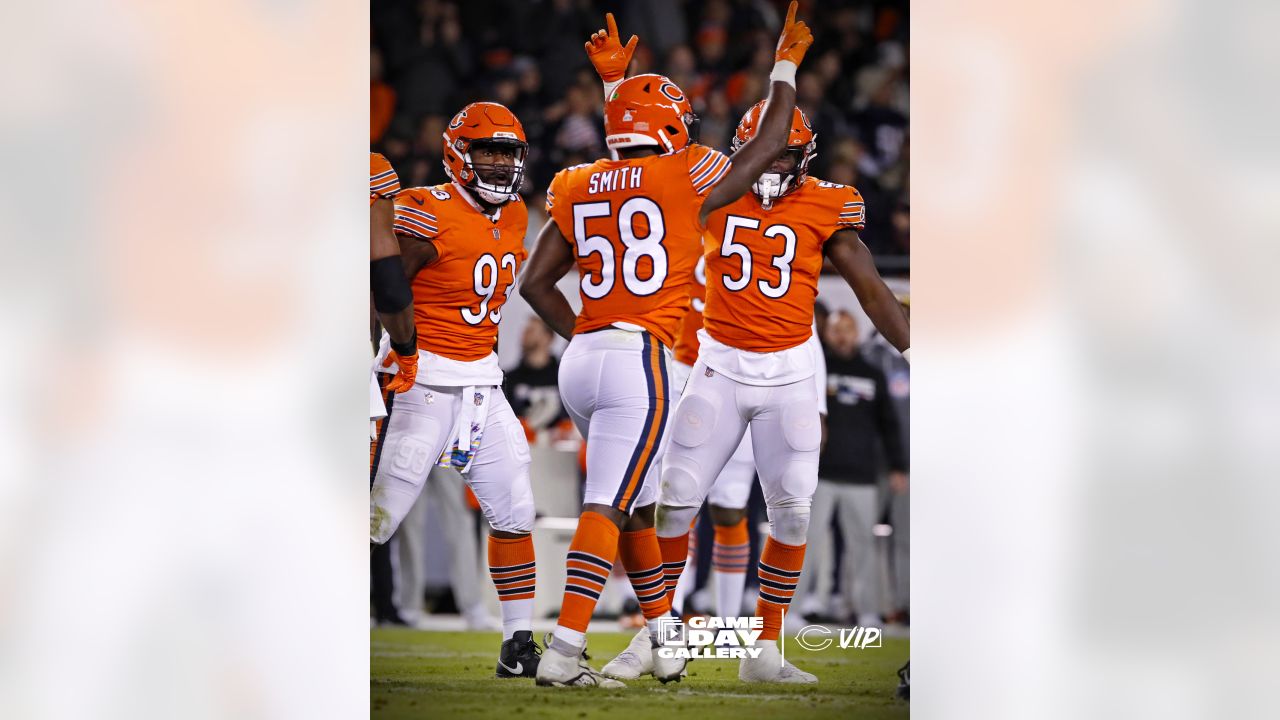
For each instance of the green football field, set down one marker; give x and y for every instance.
(417, 674)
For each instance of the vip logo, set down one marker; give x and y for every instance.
(817, 638)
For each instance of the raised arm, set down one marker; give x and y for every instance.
(550, 260)
(770, 140)
(853, 261)
(608, 56)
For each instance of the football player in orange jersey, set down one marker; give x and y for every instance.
(392, 298)
(633, 225)
(463, 243)
(727, 499)
(756, 361)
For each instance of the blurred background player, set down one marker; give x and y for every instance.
(462, 243)
(636, 224)
(756, 361)
(862, 415)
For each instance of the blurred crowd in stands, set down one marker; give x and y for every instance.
(429, 58)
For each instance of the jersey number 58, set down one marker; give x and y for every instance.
(597, 285)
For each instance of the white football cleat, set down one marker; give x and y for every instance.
(634, 662)
(557, 669)
(665, 669)
(769, 667)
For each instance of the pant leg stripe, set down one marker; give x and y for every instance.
(654, 426)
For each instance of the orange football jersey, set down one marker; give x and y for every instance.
(635, 232)
(763, 265)
(686, 349)
(383, 181)
(458, 299)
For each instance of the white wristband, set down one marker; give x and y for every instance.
(906, 355)
(784, 71)
(609, 87)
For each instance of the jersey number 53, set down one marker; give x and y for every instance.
(729, 248)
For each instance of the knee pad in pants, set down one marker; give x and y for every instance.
(790, 523)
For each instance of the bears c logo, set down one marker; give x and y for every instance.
(671, 91)
(457, 120)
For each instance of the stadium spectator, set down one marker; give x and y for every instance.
(382, 99)
(897, 372)
(862, 428)
(532, 387)
(719, 52)
(718, 122)
(821, 314)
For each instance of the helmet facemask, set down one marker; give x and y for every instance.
(494, 182)
(772, 185)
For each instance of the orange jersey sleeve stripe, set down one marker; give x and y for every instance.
(707, 179)
(383, 181)
(655, 372)
(417, 221)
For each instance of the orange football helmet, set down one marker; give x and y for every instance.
(479, 124)
(649, 110)
(802, 141)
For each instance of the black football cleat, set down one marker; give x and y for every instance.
(519, 657)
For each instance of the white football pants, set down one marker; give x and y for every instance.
(420, 424)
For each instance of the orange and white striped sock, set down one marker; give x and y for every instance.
(591, 553)
(642, 559)
(729, 557)
(779, 574)
(512, 568)
(675, 553)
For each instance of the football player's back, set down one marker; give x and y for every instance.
(636, 233)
